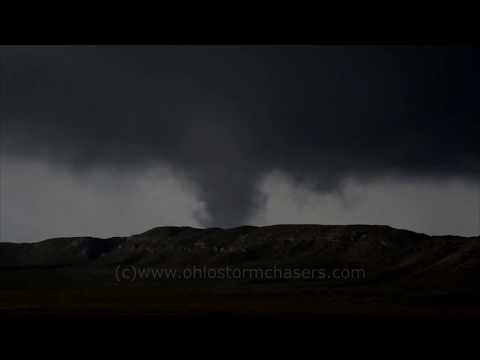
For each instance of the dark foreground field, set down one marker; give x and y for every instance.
(79, 293)
(345, 317)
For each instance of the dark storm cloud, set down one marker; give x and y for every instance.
(227, 116)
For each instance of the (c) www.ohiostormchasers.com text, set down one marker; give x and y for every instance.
(131, 273)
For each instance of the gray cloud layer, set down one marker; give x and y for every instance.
(432, 207)
(225, 117)
(40, 201)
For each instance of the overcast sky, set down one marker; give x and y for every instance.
(107, 141)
